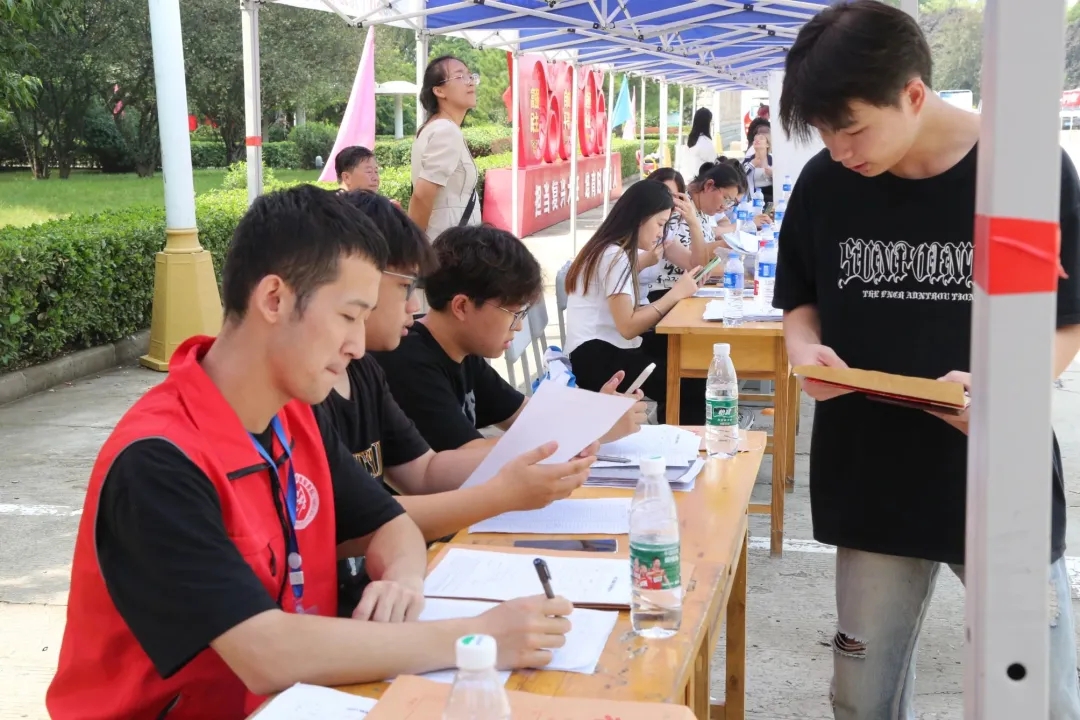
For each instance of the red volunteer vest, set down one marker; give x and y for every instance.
(103, 671)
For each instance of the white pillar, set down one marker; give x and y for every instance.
(1008, 611)
(642, 138)
(399, 119)
(911, 7)
(515, 143)
(718, 141)
(171, 88)
(421, 65)
(607, 142)
(663, 121)
(575, 109)
(252, 97)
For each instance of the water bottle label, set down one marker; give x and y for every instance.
(731, 280)
(722, 412)
(766, 270)
(655, 567)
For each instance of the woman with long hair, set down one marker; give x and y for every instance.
(758, 164)
(604, 319)
(700, 148)
(443, 172)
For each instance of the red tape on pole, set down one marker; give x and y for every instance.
(253, 141)
(1015, 256)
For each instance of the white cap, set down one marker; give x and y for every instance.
(476, 652)
(655, 465)
(721, 349)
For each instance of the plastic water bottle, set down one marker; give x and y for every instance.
(786, 187)
(742, 215)
(759, 203)
(734, 276)
(477, 692)
(722, 405)
(655, 565)
(780, 210)
(765, 274)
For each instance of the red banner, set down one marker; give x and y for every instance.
(544, 192)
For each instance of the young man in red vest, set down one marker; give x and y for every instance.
(205, 569)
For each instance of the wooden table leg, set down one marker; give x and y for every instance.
(735, 653)
(674, 376)
(792, 431)
(781, 449)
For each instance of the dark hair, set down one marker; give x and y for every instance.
(863, 50)
(349, 158)
(407, 245)
(299, 234)
(434, 75)
(620, 228)
(752, 129)
(666, 174)
(483, 263)
(722, 174)
(700, 126)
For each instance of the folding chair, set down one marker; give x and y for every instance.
(518, 351)
(538, 322)
(560, 301)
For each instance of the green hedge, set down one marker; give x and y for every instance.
(281, 155)
(208, 155)
(89, 280)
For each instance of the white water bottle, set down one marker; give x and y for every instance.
(477, 692)
(722, 405)
(780, 210)
(734, 279)
(759, 203)
(655, 563)
(765, 275)
(786, 188)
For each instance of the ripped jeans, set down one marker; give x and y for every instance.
(881, 601)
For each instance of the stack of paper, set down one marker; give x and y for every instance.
(679, 448)
(468, 574)
(585, 642)
(311, 702)
(607, 516)
(753, 311)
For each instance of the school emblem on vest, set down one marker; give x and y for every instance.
(307, 501)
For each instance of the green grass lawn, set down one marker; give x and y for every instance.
(25, 201)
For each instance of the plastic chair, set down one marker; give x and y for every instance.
(538, 322)
(560, 301)
(517, 351)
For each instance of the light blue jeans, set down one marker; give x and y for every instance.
(881, 601)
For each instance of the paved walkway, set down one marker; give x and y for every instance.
(48, 443)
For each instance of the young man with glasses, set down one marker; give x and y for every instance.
(388, 445)
(479, 297)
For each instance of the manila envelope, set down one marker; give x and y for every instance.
(915, 392)
(414, 698)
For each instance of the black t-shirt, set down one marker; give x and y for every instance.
(370, 423)
(168, 563)
(447, 400)
(888, 263)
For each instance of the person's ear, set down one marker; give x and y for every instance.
(271, 299)
(459, 306)
(915, 91)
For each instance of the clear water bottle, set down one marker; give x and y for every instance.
(655, 565)
(780, 210)
(734, 279)
(765, 274)
(742, 215)
(722, 405)
(759, 203)
(786, 188)
(477, 692)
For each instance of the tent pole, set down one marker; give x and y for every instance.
(642, 139)
(421, 66)
(661, 152)
(607, 142)
(575, 187)
(515, 143)
(249, 11)
(680, 140)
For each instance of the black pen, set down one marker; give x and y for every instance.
(545, 576)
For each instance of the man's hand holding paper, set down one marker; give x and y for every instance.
(818, 355)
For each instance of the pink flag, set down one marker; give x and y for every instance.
(358, 125)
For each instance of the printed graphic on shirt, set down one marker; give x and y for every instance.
(307, 501)
(469, 407)
(372, 459)
(887, 270)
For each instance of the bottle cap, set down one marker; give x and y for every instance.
(653, 465)
(476, 652)
(721, 349)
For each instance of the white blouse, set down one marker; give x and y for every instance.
(440, 155)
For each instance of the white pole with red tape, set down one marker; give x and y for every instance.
(252, 97)
(1015, 280)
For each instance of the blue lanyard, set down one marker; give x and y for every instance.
(296, 573)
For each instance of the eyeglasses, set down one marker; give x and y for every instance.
(414, 283)
(519, 316)
(473, 79)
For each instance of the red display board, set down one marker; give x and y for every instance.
(544, 192)
(545, 100)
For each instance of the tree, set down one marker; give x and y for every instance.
(18, 19)
(953, 29)
(130, 93)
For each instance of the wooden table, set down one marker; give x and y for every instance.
(758, 353)
(713, 524)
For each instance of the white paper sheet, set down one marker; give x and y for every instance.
(571, 417)
(486, 575)
(605, 516)
(678, 447)
(753, 311)
(585, 642)
(679, 479)
(311, 702)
